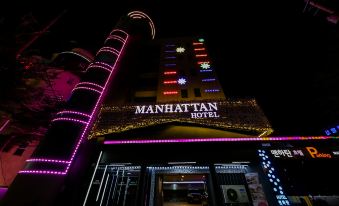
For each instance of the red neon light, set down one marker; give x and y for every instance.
(207, 62)
(199, 49)
(170, 92)
(170, 82)
(170, 72)
(201, 55)
(197, 43)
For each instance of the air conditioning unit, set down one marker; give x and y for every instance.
(234, 194)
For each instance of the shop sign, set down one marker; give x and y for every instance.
(287, 153)
(316, 154)
(308, 152)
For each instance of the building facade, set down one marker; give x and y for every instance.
(149, 124)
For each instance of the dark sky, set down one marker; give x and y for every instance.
(287, 60)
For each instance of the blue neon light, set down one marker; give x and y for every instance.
(212, 90)
(268, 170)
(206, 70)
(170, 65)
(170, 51)
(208, 80)
(170, 57)
(169, 45)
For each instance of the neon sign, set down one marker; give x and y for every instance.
(315, 154)
(310, 152)
(197, 110)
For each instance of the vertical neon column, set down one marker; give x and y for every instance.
(73, 124)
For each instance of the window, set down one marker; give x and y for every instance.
(197, 92)
(184, 93)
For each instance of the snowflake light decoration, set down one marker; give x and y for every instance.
(180, 49)
(205, 65)
(182, 81)
(201, 40)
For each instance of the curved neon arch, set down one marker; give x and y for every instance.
(142, 15)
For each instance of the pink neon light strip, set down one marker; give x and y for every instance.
(107, 50)
(170, 92)
(170, 82)
(110, 48)
(72, 112)
(87, 124)
(119, 30)
(95, 65)
(103, 64)
(96, 106)
(199, 49)
(158, 141)
(49, 172)
(48, 160)
(86, 88)
(201, 55)
(197, 43)
(69, 119)
(90, 83)
(115, 37)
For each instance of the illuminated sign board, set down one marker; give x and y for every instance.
(316, 154)
(307, 152)
(196, 110)
(234, 115)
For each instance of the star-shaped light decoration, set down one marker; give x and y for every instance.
(182, 81)
(180, 49)
(205, 65)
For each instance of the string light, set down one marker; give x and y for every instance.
(226, 139)
(88, 123)
(170, 92)
(170, 82)
(170, 72)
(212, 90)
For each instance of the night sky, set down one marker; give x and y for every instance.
(287, 60)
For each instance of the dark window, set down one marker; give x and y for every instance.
(193, 71)
(184, 93)
(182, 72)
(197, 92)
(145, 99)
(19, 151)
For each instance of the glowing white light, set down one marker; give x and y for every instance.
(180, 50)
(142, 15)
(205, 65)
(182, 81)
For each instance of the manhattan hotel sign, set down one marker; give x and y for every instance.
(239, 114)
